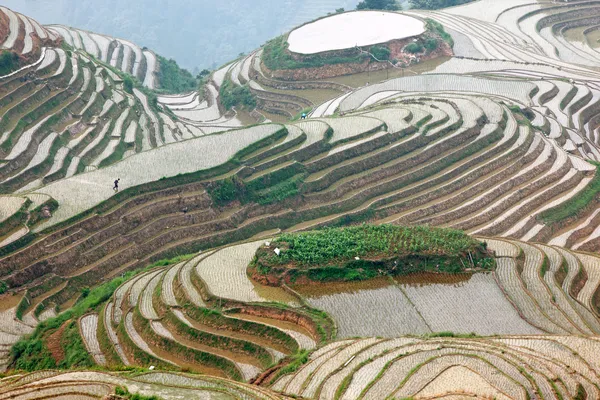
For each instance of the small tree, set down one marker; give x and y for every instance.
(128, 84)
(431, 44)
(378, 5)
(381, 52)
(414, 48)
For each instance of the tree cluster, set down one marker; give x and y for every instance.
(436, 4)
(378, 5)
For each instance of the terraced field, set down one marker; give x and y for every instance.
(516, 367)
(97, 385)
(501, 141)
(169, 317)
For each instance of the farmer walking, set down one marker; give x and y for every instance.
(116, 188)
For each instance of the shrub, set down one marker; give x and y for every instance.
(173, 78)
(3, 287)
(128, 84)
(9, 62)
(378, 5)
(236, 96)
(381, 52)
(414, 48)
(431, 44)
(438, 28)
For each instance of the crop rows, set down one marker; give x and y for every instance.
(216, 335)
(509, 368)
(141, 64)
(417, 161)
(96, 385)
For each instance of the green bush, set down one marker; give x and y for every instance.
(232, 95)
(414, 48)
(3, 287)
(381, 52)
(431, 44)
(9, 62)
(173, 78)
(378, 5)
(128, 84)
(438, 28)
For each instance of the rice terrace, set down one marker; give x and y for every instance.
(384, 203)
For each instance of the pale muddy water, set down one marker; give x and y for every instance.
(418, 304)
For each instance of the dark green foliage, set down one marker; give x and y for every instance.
(276, 57)
(438, 28)
(576, 204)
(581, 393)
(9, 62)
(431, 44)
(436, 4)
(85, 292)
(128, 84)
(381, 52)
(276, 186)
(232, 95)
(203, 74)
(227, 190)
(173, 78)
(414, 48)
(32, 355)
(76, 355)
(3, 287)
(378, 5)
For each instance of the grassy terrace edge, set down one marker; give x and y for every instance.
(577, 204)
(366, 251)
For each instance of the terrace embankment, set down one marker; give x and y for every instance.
(367, 251)
(281, 63)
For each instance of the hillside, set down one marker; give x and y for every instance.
(436, 223)
(202, 37)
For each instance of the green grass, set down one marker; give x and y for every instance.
(30, 353)
(367, 251)
(576, 204)
(76, 355)
(343, 244)
(277, 57)
(270, 188)
(124, 393)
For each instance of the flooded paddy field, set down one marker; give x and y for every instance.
(418, 304)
